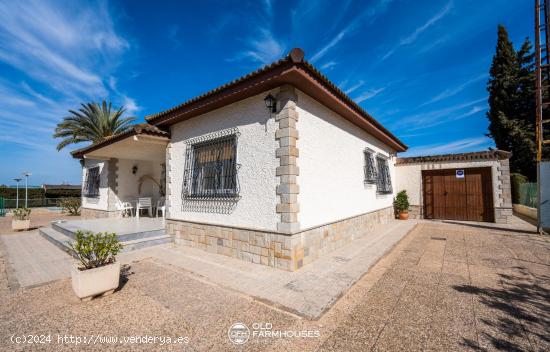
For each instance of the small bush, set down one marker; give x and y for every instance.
(22, 213)
(70, 206)
(95, 250)
(401, 202)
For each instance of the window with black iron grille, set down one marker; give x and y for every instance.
(91, 184)
(370, 166)
(383, 183)
(211, 169)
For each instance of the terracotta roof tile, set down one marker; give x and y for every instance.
(491, 154)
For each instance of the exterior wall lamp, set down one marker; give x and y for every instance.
(270, 103)
(134, 169)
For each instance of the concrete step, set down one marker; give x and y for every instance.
(146, 242)
(58, 239)
(68, 230)
(62, 241)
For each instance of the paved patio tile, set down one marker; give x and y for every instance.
(34, 259)
(308, 291)
(475, 300)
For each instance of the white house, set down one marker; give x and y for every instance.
(277, 167)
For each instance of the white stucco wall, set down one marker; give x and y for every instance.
(331, 165)
(101, 202)
(409, 177)
(128, 183)
(255, 154)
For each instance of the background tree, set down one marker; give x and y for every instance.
(511, 112)
(91, 123)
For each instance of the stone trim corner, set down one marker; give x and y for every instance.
(287, 153)
(112, 183)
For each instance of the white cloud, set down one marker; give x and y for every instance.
(463, 145)
(130, 105)
(354, 87)
(332, 43)
(368, 94)
(66, 54)
(424, 119)
(63, 45)
(449, 118)
(173, 32)
(369, 14)
(411, 38)
(328, 65)
(262, 47)
(449, 92)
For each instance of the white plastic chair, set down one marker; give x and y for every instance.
(160, 207)
(144, 203)
(124, 208)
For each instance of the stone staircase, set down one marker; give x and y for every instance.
(61, 235)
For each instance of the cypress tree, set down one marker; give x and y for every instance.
(511, 112)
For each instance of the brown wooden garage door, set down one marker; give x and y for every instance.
(447, 196)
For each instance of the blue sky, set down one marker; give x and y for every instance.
(419, 67)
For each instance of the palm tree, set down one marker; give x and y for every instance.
(91, 123)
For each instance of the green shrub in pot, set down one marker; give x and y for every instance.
(401, 205)
(98, 272)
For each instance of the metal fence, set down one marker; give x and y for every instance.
(545, 195)
(33, 202)
(528, 194)
(2, 209)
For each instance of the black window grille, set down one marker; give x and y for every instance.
(91, 184)
(383, 183)
(211, 169)
(370, 167)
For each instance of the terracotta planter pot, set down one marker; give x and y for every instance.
(404, 215)
(18, 225)
(93, 282)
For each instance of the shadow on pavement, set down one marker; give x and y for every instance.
(522, 305)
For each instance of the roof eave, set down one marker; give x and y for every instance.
(301, 75)
(80, 153)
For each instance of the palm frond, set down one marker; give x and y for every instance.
(91, 122)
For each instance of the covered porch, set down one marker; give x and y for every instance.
(125, 173)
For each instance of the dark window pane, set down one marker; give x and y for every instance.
(383, 183)
(211, 169)
(370, 167)
(91, 184)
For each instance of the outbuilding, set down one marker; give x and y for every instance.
(468, 186)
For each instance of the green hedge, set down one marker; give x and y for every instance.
(38, 193)
(517, 180)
